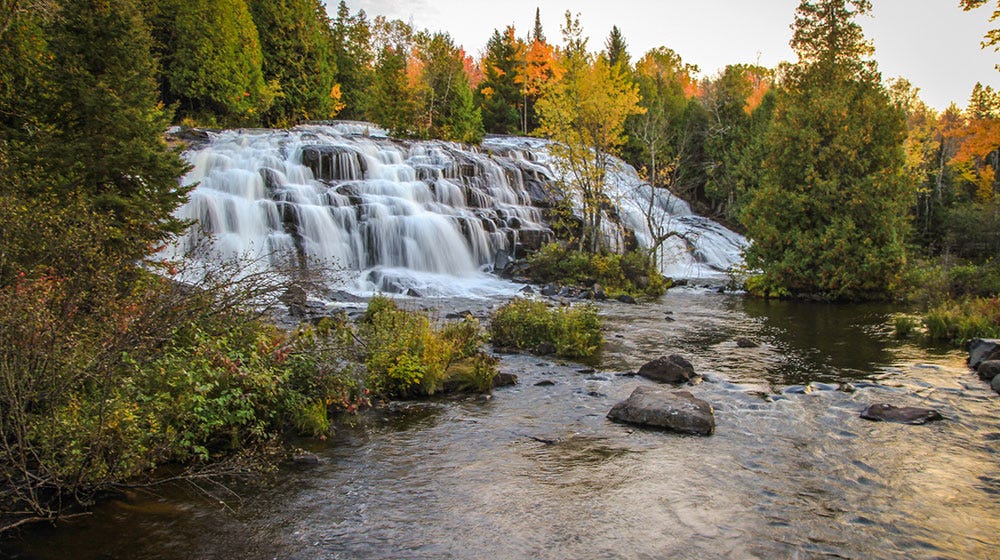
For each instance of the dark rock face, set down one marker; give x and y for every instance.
(625, 298)
(995, 384)
(744, 342)
(982, 350)
(900, 414)
(678, 411)
(988, 370)
(671, 369)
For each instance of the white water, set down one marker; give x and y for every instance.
(427, 218)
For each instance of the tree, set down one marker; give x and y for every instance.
(585, 114)
(830, 216)
(296, 45)
(354, 58)
(499, 95)
(445, 97)
(992, 37)
(616, 50)
(212, 61)
(537, 33)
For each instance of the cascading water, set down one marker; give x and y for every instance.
(427, 218)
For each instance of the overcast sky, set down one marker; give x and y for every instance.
(933, 43)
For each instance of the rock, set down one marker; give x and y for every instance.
(526, 290)
(305, 458)
(545, 383)
(625, 298)
(550, 290)
(672, 410)
(983, 350)
(501, 261)
(671, 369)
(413, 293)
(545, 348)
(504, 379)
(599, 293)
(903, 414)
(458, 314)
(995, 384)
(744, 342)
(295, 299)
(988, 370)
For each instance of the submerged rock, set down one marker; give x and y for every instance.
(901, 414)
(625, 298)
(744, 342)
(983, 350)
(670, 369)
(502, 379)
(678, 411)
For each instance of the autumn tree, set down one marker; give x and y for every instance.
(585, 114)
(443, 90)
(830, 216)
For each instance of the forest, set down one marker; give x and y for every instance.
(850, 187)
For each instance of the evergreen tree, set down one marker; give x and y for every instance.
(212, 61)
(830, 217)
(393, 105)
(296, 45)
(444, 93)
(500, 94)
(354, 60)
(538, 34)
(616, 50)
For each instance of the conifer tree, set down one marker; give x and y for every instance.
(499, 94)
(830, 217)
(617, 50)
(354, 59)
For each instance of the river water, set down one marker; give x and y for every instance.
(537, 471)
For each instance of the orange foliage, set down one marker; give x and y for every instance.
(472, 70)
(759, 86)
(542, 67)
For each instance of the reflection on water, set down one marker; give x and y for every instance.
(538, 472)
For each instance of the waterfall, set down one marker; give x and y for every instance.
(424, 217)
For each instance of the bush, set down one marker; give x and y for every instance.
(632, 273)
(406, 355)
(961, 321)
(574, 332)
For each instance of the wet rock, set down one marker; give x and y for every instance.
(669, 319)
(305, 458)
(585, 370)
(504, 379)
(545, 348)
(625, 298)
(295, 299)
(670, 369)
(413, 293)
(900, 414)
(526, 290)
(597, 378)
(545, 383)
(797, 390)
(983, 350)
(599, 293)
(988, 370)
(458, 314)
(550, 290)
(678, 411)
(995, 384)
(744, 342)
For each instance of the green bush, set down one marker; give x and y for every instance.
(574, 332)
(406, 355)
(961, 321)
(632, 273)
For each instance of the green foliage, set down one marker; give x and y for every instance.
(960, 321)
(830, 217)
(296, 45)
(406, 355)
(212, 61)
(574, 332)
(353, 58)
(500, 95)
(393, 105)
(904, 326)
(632, 273)
(444, 93)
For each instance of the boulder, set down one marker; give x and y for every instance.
(545, 348)
(982, 350)
(678, 411)
(744, 342)
(988, 370)
(502, 379)
(625, 298)
(671, 369)
(901, 414)
(599, 293)
(995, 384)
(550, 289)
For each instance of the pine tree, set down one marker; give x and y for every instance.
(500, 95)
(830, 217)
(354, 60)
(616, 49)
(538, 34)
(296, 45)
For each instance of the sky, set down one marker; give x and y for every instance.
(932, 43)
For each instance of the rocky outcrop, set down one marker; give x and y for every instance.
(900, 414)
(671, 369)
(678, 411)
(988, 370)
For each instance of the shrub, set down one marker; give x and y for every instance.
(961, 321)
(631, 273)
(574, 332)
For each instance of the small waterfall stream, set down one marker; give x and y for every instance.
(419, 217)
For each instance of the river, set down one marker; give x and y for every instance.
(537, 471)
